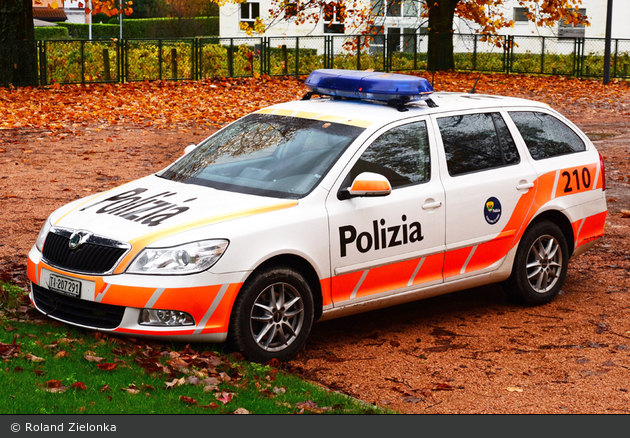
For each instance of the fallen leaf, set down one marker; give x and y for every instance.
(107, 366)
(189, 400)
(91, 358)
(79, 385)
(224, 397)
(34, 358)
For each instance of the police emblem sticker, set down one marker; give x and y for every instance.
(492, 210)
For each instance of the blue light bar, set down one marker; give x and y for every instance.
(388, 87)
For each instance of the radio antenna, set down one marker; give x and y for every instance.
(475, 86)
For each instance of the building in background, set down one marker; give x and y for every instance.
(400, 17)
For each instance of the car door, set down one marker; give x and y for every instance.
(490, 187)
(395, 243)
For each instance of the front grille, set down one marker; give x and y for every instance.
(74, 310)
(95, 256)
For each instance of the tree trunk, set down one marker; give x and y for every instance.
(440, 50)
(18, 52)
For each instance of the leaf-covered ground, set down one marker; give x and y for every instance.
(468, 352)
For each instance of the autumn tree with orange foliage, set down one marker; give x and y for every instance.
(359, 17)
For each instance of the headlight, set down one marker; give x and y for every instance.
(183, 259)
(41, 238)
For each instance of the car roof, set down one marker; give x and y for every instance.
(366, 112)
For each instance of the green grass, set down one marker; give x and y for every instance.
(54, 368)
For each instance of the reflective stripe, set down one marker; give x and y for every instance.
(416, 271)
(99, 296)
(154, 298)
(555, 184)
(215, 303)
(358, 286)
(463, 270)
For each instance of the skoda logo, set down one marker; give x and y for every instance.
(77, 239)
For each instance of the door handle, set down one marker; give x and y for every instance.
(432, 205)
(524, 185)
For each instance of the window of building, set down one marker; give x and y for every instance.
(567, 30)
(474, 142)
(291, 9)
(545, 135)
(334, 17)
(249, 12)
(520, 15)
(395, 8)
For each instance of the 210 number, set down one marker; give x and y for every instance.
(575, 176)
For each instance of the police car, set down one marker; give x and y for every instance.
(371, 191)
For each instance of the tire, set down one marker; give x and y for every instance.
(262, 326)
(540, 265)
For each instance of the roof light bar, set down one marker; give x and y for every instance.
(388, 87)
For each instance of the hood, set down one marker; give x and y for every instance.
(154, 206)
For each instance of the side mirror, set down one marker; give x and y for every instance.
(367, 184)
(190, 148)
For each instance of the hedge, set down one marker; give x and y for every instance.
(51, 33)
(148, 28)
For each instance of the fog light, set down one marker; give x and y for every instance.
(160, 317)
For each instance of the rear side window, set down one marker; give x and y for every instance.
(545, 135)
(474, 142)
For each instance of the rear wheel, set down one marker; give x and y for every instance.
(540, 265)
(272, 315)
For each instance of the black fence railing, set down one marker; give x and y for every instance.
(99, 61)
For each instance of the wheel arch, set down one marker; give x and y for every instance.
(303, 267)
(562, 221)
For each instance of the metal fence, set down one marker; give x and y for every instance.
(81, 61)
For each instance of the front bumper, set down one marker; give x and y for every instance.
(113, 303)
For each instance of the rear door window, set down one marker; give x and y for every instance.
(475, 142)
(545, 135)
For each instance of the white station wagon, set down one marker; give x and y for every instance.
(375, 193)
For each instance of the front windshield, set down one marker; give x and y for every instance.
(265, 154)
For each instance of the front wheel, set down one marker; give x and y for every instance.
(540, 265)
(272, 315)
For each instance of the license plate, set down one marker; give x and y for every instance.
(64, 285)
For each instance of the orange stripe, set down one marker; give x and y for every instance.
(220, 320)
(454, 261)
(343, 285)
(576, 180)
(142, 242)
(31, 271)
(431, 269)
(592, 228)
(326, 286)
(389, 277)
(128, 296)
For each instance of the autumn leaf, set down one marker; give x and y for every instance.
(107, 366)
(189, 400)
(8, 351)
(55, 386)
(91, 358)
(224, 397)
(514, 389)
(79, 385)
(34, 358)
